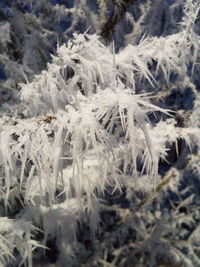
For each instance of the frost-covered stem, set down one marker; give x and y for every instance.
(155, 191)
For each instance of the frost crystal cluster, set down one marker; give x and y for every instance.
(99, 159)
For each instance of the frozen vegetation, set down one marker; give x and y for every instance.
(99, 133)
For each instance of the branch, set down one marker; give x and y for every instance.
(120, 8)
